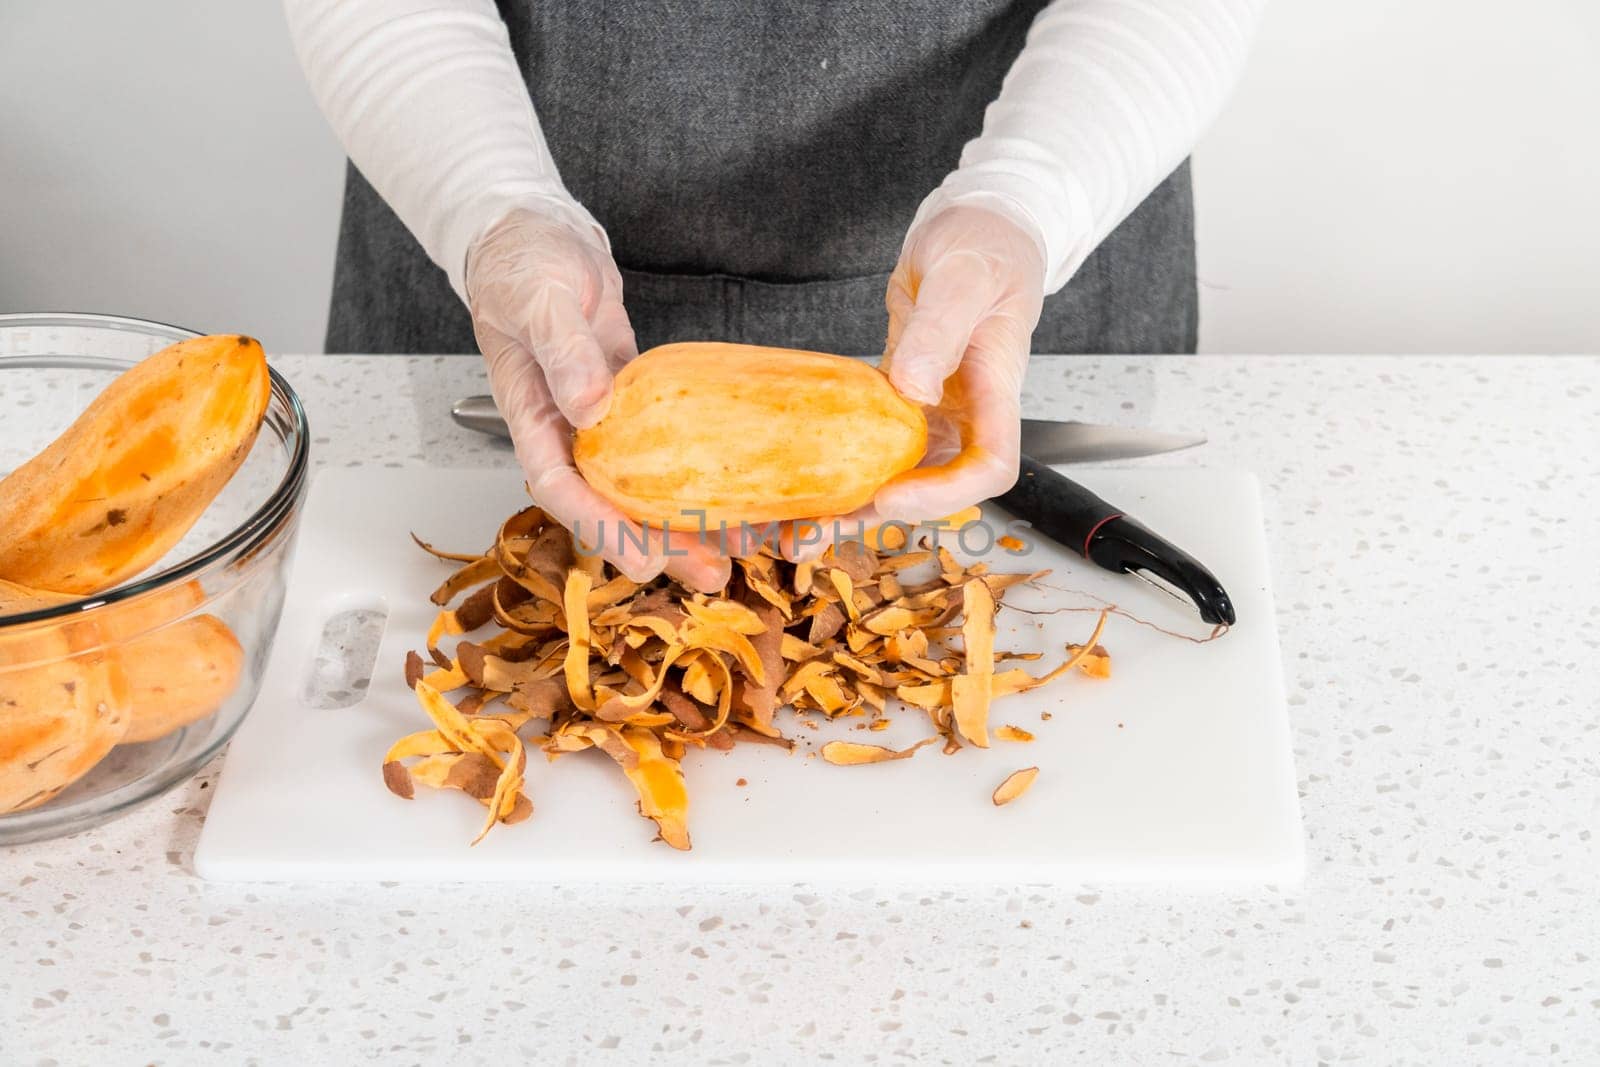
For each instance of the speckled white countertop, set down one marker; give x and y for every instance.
(1434, 526)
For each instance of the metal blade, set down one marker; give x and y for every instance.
(479, 413)
(1046, 440)
(1049, 441)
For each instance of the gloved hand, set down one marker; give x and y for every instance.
(963, 302)
(546, 301)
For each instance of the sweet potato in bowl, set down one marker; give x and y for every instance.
(174, 623)
(155, 663)
(129, 478)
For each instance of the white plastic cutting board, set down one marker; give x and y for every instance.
(1176, 769)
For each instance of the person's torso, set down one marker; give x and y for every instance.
(772, 141)
(755, 165)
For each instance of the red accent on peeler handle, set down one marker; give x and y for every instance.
(1094, 530)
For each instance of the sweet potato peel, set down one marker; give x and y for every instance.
(646, 673)
(972, 691)
(851, 754)
(1016, 784)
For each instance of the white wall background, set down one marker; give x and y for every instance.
(163, 159)
(1409, 177)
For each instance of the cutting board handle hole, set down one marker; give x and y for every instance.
(341, 666)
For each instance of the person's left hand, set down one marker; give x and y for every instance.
(963, 302)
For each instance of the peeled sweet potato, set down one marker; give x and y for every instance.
(18, 599)
(179, 675)
(130, 620)
(110, 627)
(41, 642)
(60, 713)
(129, 478)
(174, 672)
(747, 434)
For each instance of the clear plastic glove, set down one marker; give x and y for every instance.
(963, 302)
(546, 301)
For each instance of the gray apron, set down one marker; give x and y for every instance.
(756, 165)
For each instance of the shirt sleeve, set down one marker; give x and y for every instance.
(428, 100)
(1105, 100)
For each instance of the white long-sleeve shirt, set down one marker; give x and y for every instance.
(1105, 99)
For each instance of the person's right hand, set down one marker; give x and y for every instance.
(546, 302)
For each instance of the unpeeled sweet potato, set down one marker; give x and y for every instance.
(129, 478)
(747, 434)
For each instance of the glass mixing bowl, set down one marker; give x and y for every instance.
(190, 635)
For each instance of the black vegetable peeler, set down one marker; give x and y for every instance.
(1069, 514)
